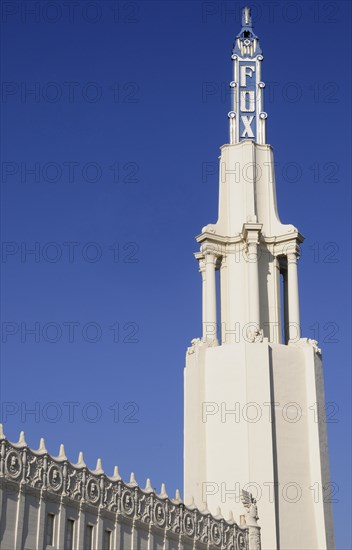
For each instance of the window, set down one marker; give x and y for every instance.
(50, 529)
(69, 534)
(89, 537)
(107, 540)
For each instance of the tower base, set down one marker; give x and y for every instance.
(255, 420)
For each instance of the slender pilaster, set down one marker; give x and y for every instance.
(80, 526)
(251, 234)
(286, 318)
(275, 328)
(232, 119)
(99, 530)
(252, 255)
(21, 503)
(62, 524)
(204, 290)
(209, 323)
(42, 516)
(262, 127)
(293, 297)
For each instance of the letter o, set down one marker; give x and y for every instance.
(46, 174)
(57, 10)
(45, 332)
(287, 95)
(298, 13)
(95, 406)
(57, 88)
(88, 97)
(296, 176)
(87, 168)
(98, 333)
(289, 418)
(88, 257)
(47, 257)
(53, 405)
(98, 12)
(246, 417)
(298, 492)
(256, 173)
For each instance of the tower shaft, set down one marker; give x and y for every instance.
(254, 394)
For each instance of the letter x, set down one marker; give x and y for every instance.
(247, 121)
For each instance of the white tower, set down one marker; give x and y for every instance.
(254, 395)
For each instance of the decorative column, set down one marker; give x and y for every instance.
(232, 118)
(262, 126)
(252, 255)
(209, 322)
(251, 233)
(275, 326)
(204, 290)
(293, 297)
(286, 317)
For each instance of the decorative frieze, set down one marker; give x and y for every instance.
(37, 472)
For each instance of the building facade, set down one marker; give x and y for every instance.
(254, 394)
(48, 503)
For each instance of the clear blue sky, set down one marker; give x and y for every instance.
(120, 108)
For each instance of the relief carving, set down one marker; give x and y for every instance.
(40, 471)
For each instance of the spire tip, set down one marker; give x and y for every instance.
(246, 17)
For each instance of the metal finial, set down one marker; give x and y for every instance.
(246, 17)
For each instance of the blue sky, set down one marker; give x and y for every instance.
(119, 110)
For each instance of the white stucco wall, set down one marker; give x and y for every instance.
(257, 443)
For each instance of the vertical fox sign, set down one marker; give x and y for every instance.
(247, 117)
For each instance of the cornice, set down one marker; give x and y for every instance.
(37, 472)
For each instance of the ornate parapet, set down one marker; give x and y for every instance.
(24, 471)
(251, 520)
